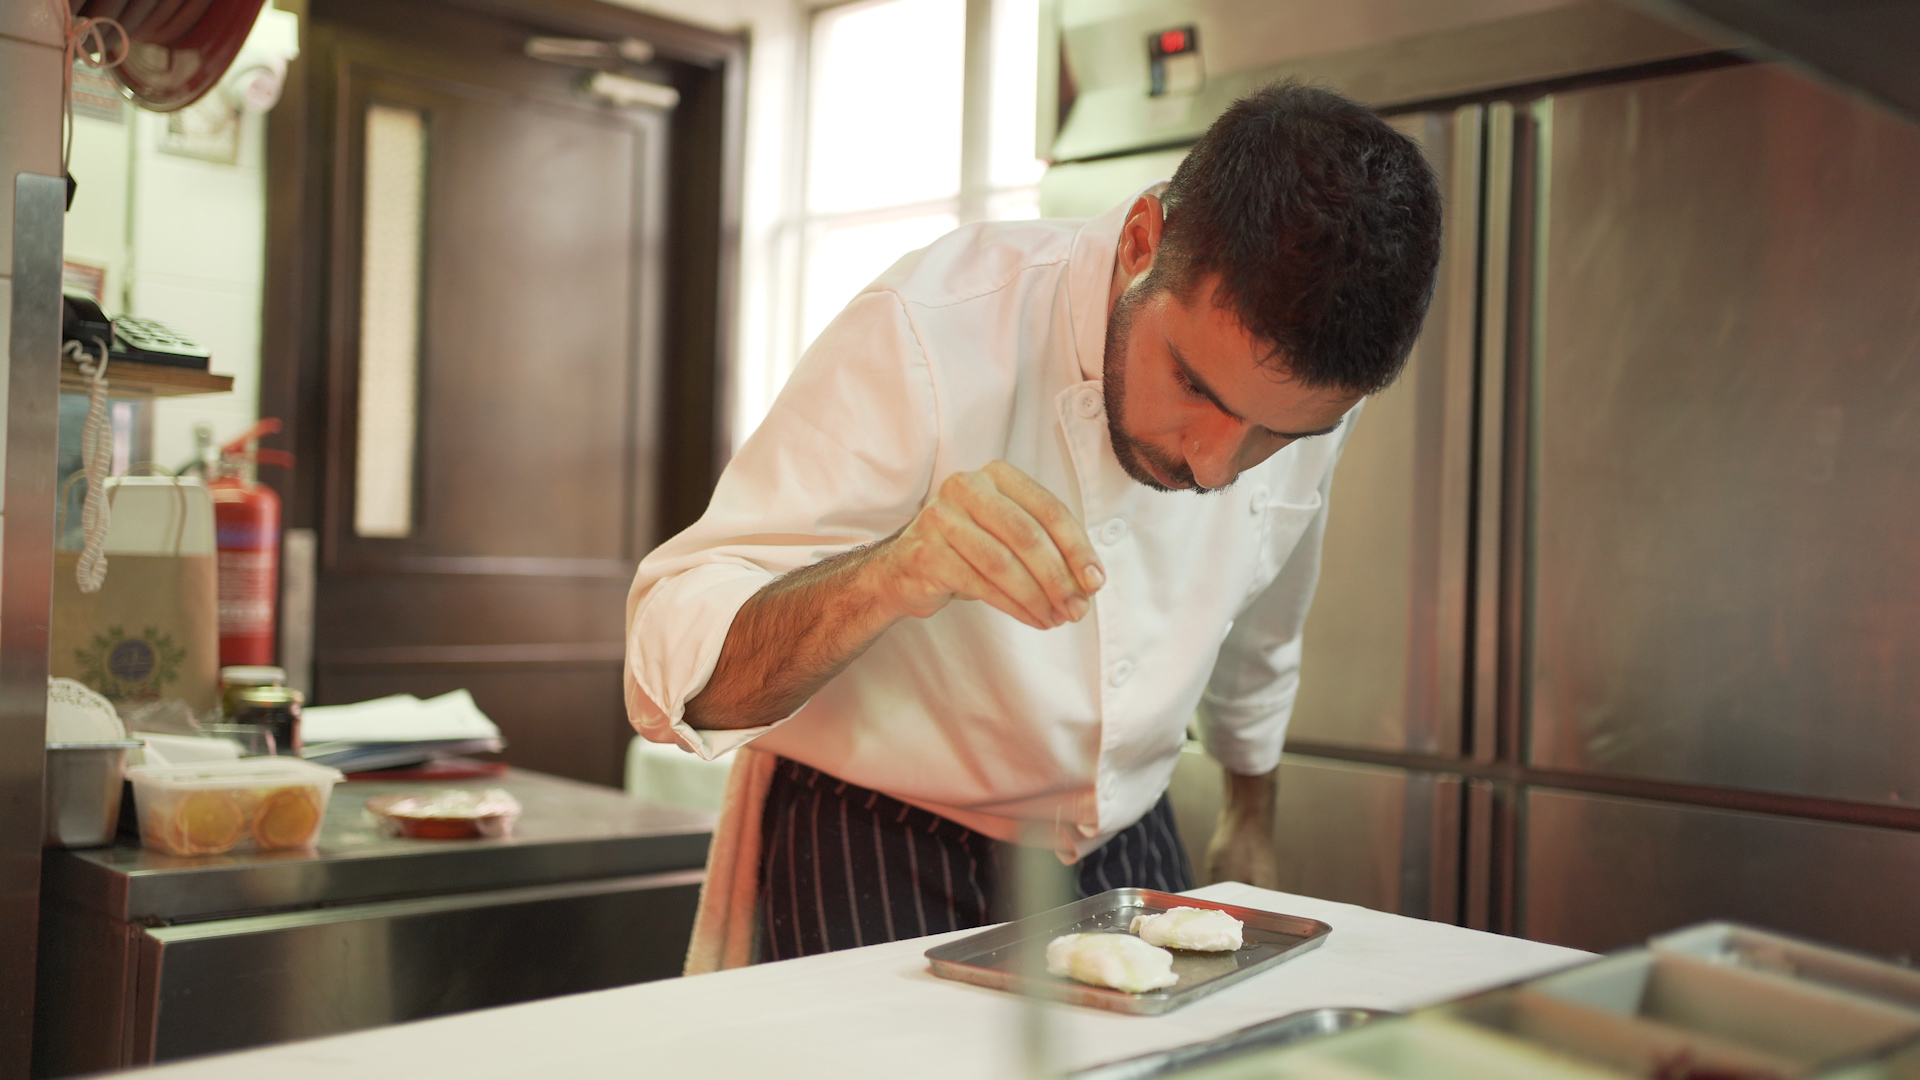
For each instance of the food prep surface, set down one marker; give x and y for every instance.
(878, 1012)
(568, 831)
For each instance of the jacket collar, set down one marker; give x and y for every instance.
(1089, 280)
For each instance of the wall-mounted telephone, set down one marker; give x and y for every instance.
(142, 341)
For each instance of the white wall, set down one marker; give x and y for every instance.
(198, 253)
(183, 241)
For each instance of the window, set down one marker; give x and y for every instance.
(391, 220)
(919, 117)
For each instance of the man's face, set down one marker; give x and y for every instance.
(1193, 398)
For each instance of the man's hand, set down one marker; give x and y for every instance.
(1242, 845)
(993, 535)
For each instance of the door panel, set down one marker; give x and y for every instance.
(536, 432)
(560, 714)
(529, 381)
(1380, 837)
(1599, 873)
(534, 384)
(1727, 591)
(469, 609)
(1384, 657)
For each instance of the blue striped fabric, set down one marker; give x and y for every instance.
(843, 866)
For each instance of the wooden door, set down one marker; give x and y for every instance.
(491, 403)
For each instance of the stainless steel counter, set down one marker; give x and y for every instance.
(569, 831)
(149, 957)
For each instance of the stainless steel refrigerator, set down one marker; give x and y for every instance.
(1619, 623)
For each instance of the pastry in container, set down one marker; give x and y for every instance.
(217, 807)
(451, 814)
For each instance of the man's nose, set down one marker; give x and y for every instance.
(1213, 452)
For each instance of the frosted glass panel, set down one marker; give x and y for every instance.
(843, 261)
(391, 218)
(886, 104)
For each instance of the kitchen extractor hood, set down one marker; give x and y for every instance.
(1154, 73)
(1867, 46)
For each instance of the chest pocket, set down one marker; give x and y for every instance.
(1278, 527)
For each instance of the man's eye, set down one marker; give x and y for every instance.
(1186, 384)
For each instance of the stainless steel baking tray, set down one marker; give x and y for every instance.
(990, 958)
(1806, 961)
(1267, 1035)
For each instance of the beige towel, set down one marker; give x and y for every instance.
(729, 915)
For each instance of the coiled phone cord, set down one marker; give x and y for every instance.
(96, 457)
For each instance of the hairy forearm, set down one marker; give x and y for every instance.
(1249, 799)
(1242, 848)
(790, 638)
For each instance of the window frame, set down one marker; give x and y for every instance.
(976, 197)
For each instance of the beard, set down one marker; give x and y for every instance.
(1133, 454)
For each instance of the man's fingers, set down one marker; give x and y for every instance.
(969, 584)
(1068, 535)
(1008, 532)
(991, 558)
(998, 536)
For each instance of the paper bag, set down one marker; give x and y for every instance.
(151, 632)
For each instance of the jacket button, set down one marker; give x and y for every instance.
(1259, 500)
(1122, 671)
(1089, 404)
(1113, 531)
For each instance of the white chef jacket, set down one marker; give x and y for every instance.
(988, 345)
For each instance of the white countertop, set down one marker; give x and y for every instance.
(877, 1012)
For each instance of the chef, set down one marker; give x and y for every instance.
(1042, 495)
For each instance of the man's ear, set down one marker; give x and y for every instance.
(1140, 236)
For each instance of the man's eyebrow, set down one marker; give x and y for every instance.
(1200, 386)
(1335, 426)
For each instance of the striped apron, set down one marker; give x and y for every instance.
(843, 866)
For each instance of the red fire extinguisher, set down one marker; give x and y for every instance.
(246, 516)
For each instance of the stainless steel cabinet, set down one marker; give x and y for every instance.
(1601, 871)
(1384, 660)
(1383, 655)
(240, 982)
(1724, 409)
(147, 957)
(1618, 624)
(1726, 588)
(1382, 837)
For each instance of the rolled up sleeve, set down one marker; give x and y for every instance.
(844, 458)
(1250, 694)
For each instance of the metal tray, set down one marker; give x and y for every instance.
(1805, 961)
(990, 957)
(1267, 1035)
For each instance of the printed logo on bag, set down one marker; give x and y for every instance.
(130, 668)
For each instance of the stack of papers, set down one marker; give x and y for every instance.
(399, 730)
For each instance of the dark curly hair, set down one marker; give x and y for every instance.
(1323, 226)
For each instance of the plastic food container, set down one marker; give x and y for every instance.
(83, 792)
(213, 807)
(446, 815)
